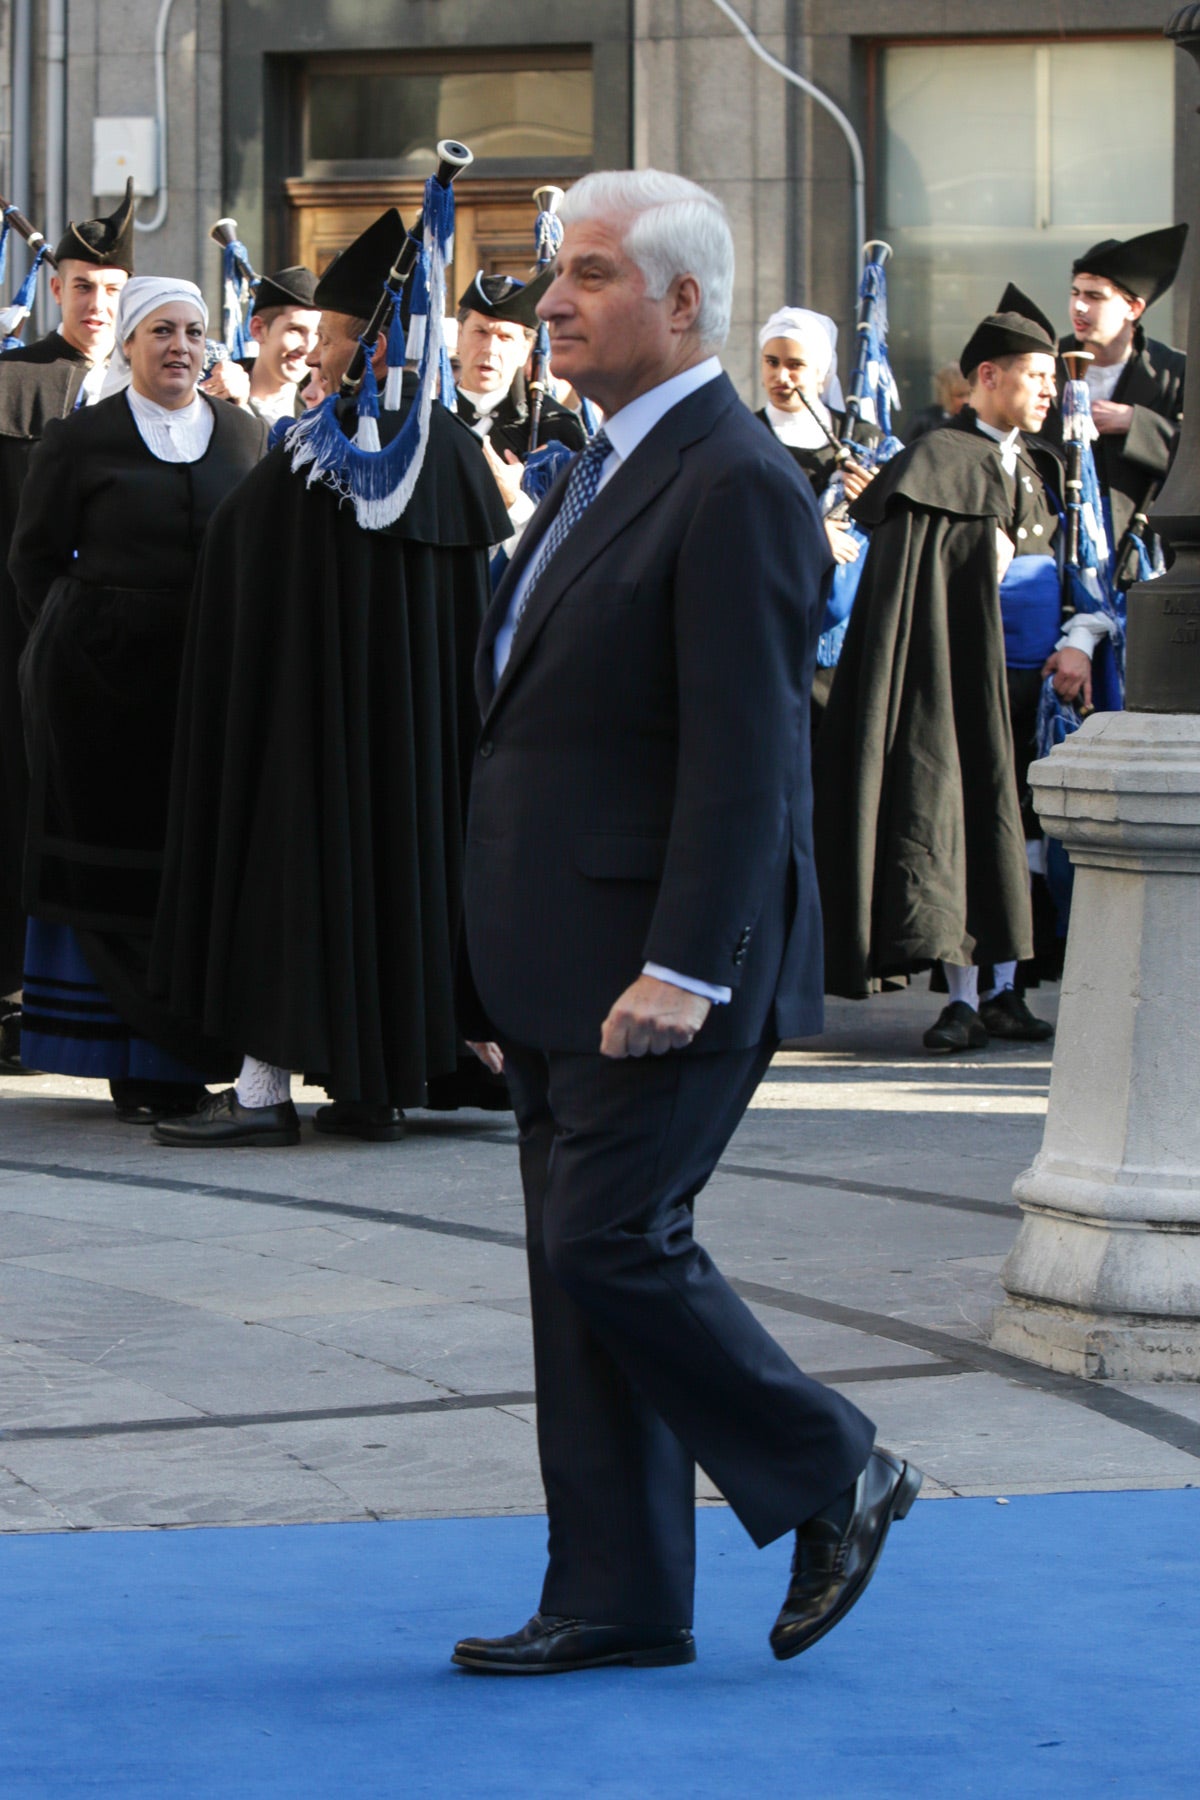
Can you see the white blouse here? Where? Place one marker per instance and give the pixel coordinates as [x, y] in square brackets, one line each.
[181, 436]
[800, 429]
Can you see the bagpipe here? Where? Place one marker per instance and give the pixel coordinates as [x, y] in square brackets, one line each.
[873, 394]
[378, 479]
[1089, 577]
[14, 315]
[238, 286]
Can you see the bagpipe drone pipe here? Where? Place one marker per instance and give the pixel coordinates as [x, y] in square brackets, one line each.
[14, 315]
[238, 285]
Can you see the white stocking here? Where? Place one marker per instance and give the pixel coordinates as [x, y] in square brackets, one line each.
[1004, 976]
[963, 984]
[262, 1084]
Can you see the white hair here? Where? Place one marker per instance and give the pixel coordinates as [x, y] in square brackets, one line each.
[674, 228]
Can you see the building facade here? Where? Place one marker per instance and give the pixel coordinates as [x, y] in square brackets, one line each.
[996, 141]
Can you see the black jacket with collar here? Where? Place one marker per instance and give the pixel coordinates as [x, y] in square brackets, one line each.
[641, 791]
[1132, 466]
[510, 422]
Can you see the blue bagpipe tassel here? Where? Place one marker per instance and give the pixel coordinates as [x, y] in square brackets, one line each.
[379, 482]
[542, 468]
[237, 299]
[393, 390]
[21, 304]
[367, 435]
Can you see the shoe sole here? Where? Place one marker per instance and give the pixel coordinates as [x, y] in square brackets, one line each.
[669, 1657]
[383, 1134]
[954, 1049]
[906, 1491]
[263, 1140]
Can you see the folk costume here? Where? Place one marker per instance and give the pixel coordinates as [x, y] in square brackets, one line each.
[1132, 466]
[112, 516]
[313, 878]
[294, 286]
[39, 382]
[504, 419]
[920, 844]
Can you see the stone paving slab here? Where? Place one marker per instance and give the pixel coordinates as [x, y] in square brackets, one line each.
[340, 1330]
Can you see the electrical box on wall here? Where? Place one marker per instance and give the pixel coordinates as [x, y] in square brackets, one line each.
[121, 148]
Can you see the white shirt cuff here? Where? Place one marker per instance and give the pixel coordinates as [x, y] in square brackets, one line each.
[1085, 632]
[720, 996]
[521, 510]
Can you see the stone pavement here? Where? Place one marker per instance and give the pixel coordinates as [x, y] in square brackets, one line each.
[340, 1331]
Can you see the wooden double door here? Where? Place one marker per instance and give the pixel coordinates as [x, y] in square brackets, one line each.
[493, 222]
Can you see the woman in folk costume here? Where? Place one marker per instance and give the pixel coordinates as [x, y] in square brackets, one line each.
[805, 410]
[112, 517]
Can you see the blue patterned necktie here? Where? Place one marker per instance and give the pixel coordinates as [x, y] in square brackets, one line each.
[582, 484]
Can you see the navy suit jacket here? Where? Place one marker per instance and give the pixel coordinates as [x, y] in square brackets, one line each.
[641, 790]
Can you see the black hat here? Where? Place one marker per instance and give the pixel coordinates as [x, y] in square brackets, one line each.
[1017, 328]
[107, 243]
[355, 278]
[503, 297]
[1143, 266]
[287, 287]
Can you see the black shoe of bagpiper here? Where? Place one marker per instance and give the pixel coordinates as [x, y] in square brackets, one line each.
[1007, 1016]
[957, 1027]
[222, 1122]
[358, 1119]
[10, 1040]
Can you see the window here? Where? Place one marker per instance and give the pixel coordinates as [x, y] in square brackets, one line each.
[385, 116]
[1001, 162]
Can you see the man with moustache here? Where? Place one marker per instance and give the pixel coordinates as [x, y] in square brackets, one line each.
[921, 757]
[39, 382]
[641, 931]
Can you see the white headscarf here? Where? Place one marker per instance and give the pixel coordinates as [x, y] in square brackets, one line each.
[818, 334]
[142, 295]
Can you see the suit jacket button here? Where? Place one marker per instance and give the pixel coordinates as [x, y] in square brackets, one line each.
[486, 747]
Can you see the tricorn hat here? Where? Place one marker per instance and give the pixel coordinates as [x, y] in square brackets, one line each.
[1018, 327]
[355, 278]
[106, 243]
[287, 287]
[1143, 266]
[505, 298]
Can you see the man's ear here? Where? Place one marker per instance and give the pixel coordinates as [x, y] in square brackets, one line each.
[257, 328]
[685, 302]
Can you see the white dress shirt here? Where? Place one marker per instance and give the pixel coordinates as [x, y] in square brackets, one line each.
[181, 436]
[625, 431]
[93, 381]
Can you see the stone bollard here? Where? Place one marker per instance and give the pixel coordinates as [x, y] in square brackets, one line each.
[1104, 1278]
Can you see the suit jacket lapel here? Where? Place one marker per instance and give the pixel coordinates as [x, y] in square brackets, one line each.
[635, 486]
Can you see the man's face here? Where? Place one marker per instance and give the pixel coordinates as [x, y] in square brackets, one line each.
[608, 338]
[286, 342]
[88, 297]
[1100, 312]
[1017, 393]
[333, 349]
[788, 372]
[490, 351]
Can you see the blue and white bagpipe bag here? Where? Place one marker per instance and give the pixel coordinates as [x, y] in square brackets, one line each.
[379, 481]
[873, 395]
[14, 315]
[1092, 587]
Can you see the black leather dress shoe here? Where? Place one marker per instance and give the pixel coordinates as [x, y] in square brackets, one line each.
[354, 1118]
[222, 1122]
[551, 1646]
[1007, 1016]
[10, 1040]
[957, 1027]
[833, 1564]
[146, 1102]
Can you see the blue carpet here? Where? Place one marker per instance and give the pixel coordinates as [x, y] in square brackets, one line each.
[1048, 1647]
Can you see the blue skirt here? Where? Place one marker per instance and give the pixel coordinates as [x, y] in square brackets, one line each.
[69, 1025]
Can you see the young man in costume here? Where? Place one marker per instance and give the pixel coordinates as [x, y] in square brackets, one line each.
[920, 842]
[284, 326]
[38, 382]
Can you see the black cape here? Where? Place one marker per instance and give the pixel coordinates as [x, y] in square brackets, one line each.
[919, 842]
[312, 890]
[38, 382]
[1132, 467]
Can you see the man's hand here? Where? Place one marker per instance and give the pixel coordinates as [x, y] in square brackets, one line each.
[1111, 416]
[1072, 672]
[490, 1055]
[842, 541]
[228, 382]
[855, 478]
[652, 1017]
[507, 473]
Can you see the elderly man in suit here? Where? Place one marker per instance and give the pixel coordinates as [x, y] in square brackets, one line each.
[642, 927]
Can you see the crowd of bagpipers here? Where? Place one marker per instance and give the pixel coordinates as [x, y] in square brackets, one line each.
[237, 723]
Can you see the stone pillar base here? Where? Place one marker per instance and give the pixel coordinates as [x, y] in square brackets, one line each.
[1102, 1346]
